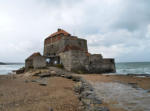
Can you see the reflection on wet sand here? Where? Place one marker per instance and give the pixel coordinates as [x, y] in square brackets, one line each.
[123, 96]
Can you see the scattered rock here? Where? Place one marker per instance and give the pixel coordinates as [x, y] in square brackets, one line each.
[26, 81]
[87, 86]
[41, 81]
[99, 108]
[37, 73]
[51, 109]
[68, 76]
[76, 78]
[78, 87]
[96, 101]
[53, 72]
[146, 75]
[45, 74]
[63, 75]
[20, 71]
[86, 102]
[134, 85]
[148, 90]
[35, 80]
[87, 95]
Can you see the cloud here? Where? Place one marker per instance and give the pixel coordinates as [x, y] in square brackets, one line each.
[116, 28]
[134, 16]
[122, 44]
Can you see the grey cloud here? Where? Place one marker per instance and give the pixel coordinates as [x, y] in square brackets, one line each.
[134, 16]
[114, 28]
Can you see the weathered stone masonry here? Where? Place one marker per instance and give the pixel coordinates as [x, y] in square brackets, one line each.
[35, 61]
[72, 52]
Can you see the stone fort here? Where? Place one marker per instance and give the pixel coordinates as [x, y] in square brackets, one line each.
[72, 53]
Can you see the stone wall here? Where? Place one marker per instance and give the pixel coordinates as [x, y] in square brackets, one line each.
[35, 62]
[109, 65]
[79, 60]
[74, 60]
[65, 59]
[28, 64]
[54, 48]
[74, 41]
[102, 66]
[95, 58]
[39, 62]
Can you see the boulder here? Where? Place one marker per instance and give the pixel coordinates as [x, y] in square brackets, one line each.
[51, 109]
[68, 76]
[76, 78]
[41, 81]
[134, 85]
[45, 74]
[78, 87]
[37, 73]
[53, 72]
[20, 71]
[99, 108]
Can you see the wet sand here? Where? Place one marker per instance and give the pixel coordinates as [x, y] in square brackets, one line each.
[18, 95]
[122, 93]
[142, 82]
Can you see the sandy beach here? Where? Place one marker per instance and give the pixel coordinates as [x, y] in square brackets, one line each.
[18, 95]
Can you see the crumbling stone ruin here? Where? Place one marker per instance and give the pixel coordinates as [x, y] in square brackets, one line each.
[72, 53]
[35, 61]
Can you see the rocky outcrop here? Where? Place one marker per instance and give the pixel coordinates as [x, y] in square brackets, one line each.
[20, 71]
[88, 96]
[143, 75]
[83, 88]
[86, 93]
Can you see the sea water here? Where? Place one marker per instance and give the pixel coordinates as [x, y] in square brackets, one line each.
[6, 69]
[133, 68]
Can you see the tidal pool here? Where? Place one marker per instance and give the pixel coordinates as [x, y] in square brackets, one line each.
[123, 96]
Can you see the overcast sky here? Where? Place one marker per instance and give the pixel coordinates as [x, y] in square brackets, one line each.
[117, 29]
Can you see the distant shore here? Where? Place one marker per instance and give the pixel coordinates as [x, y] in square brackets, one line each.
[2, 63]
